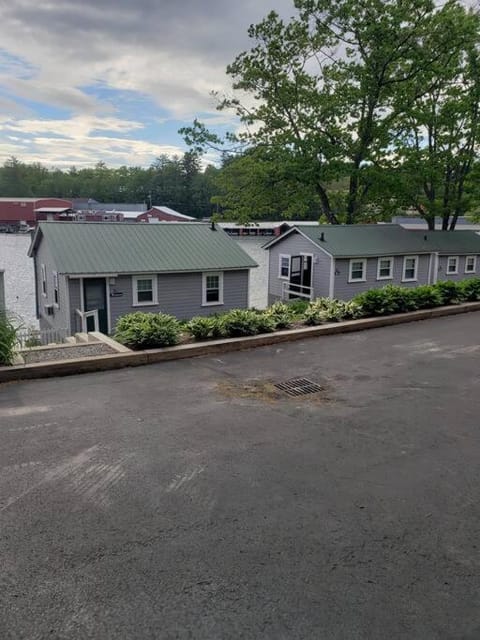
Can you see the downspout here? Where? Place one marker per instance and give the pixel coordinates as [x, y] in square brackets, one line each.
[331, 287]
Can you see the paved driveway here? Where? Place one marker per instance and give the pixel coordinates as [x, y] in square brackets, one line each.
[191, 500]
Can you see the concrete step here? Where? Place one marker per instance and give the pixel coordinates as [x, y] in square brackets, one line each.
[70, 340]
[81, 337]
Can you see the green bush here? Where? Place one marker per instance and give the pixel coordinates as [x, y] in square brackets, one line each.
[449, 292]
[470, 289]
[265, 322]
[281, 314]
[426, 297]
[298, 307]
[147, 330]
[8, 339]
[386, 300]
[240, 322]
[328, 310]
[206, 328]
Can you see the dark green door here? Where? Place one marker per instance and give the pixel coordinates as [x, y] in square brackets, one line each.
[95, 297]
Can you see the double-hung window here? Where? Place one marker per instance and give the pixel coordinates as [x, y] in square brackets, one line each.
[55, 288]
[145, 291]
[452, 264]
[385, 269]
[43, 271]
[358, 270]
[410, 268]
[284, 266]
[212, 289]
[471, 264]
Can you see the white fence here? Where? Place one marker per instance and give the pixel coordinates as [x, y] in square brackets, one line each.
[39, 337]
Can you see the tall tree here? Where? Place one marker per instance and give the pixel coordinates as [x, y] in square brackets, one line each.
[330, 85]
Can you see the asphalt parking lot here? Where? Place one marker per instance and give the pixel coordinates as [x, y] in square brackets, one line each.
[194, 500]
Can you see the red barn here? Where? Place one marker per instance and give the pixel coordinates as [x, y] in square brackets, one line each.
[163, 214]
[16, 210]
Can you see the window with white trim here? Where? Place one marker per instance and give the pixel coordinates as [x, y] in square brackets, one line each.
[145, 291]
[470, 264]
[452, 264]
[385, 269]
[410, 268]
[55, 288]
[43, 271]
[284, 266]
[212, 289]
[357, 271]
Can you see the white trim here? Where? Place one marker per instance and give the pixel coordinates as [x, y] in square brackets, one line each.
[391, 261]
[331, 284]
[150, 303]
[364, 270]
[74, 276]
[280, 256]
[474, 264]
[204, 289]
[296, 230]
[107, 295]
[457, 260]
[405, 258]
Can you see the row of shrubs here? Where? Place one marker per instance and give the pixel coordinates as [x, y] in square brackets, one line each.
[149, 330]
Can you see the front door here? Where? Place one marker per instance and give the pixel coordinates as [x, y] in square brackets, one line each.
[95, 298]
[300, 276]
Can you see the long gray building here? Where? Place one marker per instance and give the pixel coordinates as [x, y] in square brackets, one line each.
[340, 261]
[88, 275]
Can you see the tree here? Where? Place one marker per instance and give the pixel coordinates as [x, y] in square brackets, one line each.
[329, 87]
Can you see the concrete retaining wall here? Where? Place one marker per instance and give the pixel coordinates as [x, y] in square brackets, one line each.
[214, 347]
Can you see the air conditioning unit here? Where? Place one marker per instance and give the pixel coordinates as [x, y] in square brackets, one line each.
[49, 309]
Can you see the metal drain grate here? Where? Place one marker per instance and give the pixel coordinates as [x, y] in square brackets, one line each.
[298, 387]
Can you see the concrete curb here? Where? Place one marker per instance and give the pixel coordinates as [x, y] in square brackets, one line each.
[213, 347]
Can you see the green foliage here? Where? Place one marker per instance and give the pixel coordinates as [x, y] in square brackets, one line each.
[426, 297]
[241, 322]
[297, 307]
[449, 292]
[147, 330]
[470, 289]
[386, 300]
[206, 328]
[281, 314]
[8, 339]
[33, 339]
[328, 310]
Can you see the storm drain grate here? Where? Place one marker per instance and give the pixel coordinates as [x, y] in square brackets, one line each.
[299, 387]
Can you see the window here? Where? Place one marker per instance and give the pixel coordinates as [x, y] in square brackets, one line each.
[284, 266]
[358, 271]
[55, 287]
[212, 292]
[452, 264]
[471, 264]
[410, 266]
[145, 291]
[385, 269]
[44, 280]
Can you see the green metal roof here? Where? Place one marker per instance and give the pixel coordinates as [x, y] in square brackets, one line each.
[345, 241]
[98, 247]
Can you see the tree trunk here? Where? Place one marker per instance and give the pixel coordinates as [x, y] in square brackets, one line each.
[325, 205]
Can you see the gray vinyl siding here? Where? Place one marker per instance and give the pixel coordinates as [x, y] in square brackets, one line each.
[75, 303]
[293, 245]
[59, 319]
[344, 290]
[2, 291]
[461, 275]
[180, 294]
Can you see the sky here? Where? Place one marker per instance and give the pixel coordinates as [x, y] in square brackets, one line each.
[113, 80]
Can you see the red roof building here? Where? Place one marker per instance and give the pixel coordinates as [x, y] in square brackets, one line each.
[17, 210]
[163, 214]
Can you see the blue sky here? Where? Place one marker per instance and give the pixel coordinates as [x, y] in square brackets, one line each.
[114, 80]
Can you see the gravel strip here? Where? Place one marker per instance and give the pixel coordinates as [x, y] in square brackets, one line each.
[67, 353]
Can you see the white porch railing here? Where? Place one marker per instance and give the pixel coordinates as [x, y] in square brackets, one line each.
[88, 314]
[40, 337]
[297, 290]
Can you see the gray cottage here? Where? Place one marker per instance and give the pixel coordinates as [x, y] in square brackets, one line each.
[89, 274]
[341, 261]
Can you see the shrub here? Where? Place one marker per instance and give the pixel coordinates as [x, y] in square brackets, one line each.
[426, 297]
[470, 289]
[298, 307]
[449, 292]
[240, 322]
[147, 330]
[386, 300]
[8, 339]
[328, 310]
[265, 322]
[281, 314]
[205, 328]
